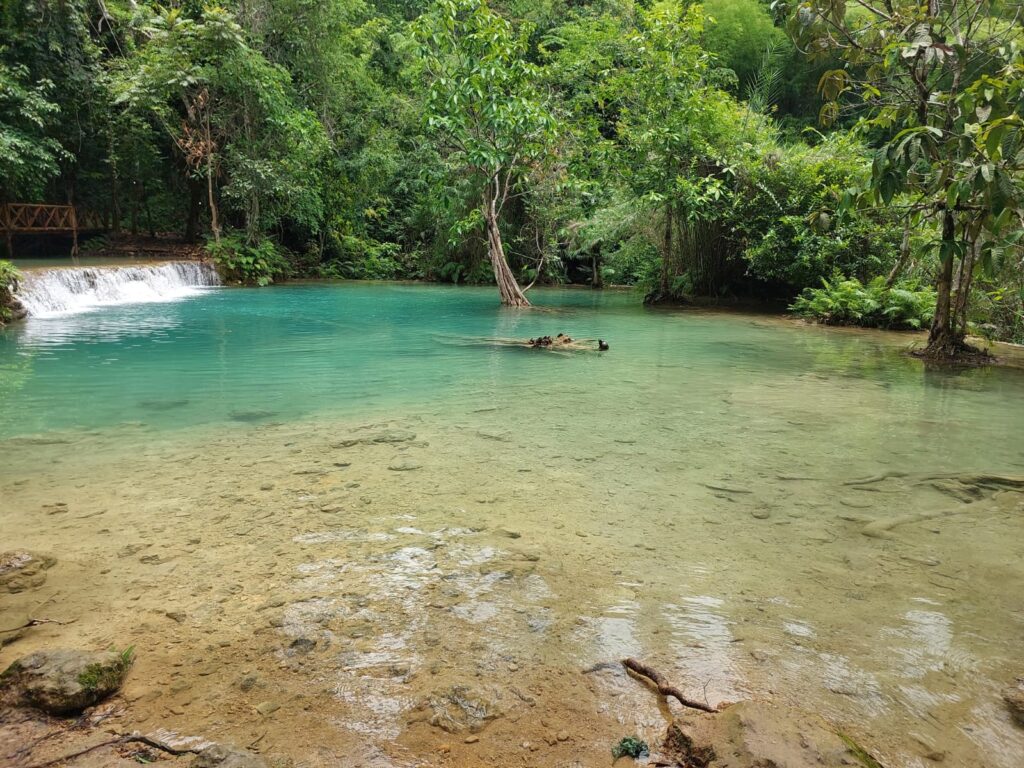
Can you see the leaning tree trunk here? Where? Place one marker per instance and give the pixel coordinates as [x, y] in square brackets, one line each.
[944, 339]
[509, 290]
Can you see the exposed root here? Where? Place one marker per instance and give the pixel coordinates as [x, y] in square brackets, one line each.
[663, 686]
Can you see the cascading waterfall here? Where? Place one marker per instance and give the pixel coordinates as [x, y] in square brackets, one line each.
[63, 291]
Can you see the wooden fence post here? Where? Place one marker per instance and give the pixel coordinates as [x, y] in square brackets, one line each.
[74, 233]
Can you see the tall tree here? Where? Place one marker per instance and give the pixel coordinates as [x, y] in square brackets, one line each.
[939, 84]
[486, 114]
[231, 116]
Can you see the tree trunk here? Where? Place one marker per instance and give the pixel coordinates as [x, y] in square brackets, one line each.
[596, 281]
[963, 291]
[901, 260]
[195, 201]
[944, 341]
[511, 294]
[115, 199]
[214, 221]
[668, 251]
[145, 207]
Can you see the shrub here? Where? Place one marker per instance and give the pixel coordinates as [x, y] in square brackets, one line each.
[361, 258]
[841, 301]
[9, 277]
[776, 201]
[239, 262]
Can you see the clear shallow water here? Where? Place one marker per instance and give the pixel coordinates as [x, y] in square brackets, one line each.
[300, 350]
[683, 497]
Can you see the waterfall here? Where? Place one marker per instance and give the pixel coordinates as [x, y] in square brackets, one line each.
[63, 291]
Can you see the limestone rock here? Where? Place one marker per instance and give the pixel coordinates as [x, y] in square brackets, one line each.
[403, 464]
[384, 436]
[460, 708]
[1014, 698]
[754, 734]
[21, 570]
[222, 756]
[66, 681]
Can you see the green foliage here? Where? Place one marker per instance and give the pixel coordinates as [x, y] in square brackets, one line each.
[656, 144]
[631, 746]
[841, 301]
[28, 156]
[938, 87]
[9, 277]
[738, 32]
[362, 259]
[242, 263]
[484, 113]
[789, 240]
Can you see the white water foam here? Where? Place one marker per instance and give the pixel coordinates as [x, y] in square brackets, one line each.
[66, 291]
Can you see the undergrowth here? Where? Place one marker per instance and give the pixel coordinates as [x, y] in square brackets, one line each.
[848, 301]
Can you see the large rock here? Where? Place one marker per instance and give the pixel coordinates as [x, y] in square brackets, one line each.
[21, 570]
[63, 681]
[755, 735]
[1014, 698]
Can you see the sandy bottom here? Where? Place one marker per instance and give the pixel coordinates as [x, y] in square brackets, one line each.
[443, 589]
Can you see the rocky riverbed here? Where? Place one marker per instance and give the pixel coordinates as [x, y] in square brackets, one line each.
[430, 591]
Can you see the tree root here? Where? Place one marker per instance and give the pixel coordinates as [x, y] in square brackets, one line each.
[664, 687]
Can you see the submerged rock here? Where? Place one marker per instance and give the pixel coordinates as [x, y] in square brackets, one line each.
[21, 570]
[754, 734]
[222, 756]
[384, 436]
[256, 414]
[460, 708]
[404, 464]
[1014, 698]
[66, 681]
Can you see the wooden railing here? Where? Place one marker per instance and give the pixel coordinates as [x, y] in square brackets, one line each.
[32, 218]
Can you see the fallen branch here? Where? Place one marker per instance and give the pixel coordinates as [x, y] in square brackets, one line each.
[882, 529]
[35, 623]
[875, 478]
[663, 686]
[132, 738]
[982, 479]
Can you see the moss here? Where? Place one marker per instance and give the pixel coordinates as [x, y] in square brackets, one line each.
[107, 677]
[860, 754]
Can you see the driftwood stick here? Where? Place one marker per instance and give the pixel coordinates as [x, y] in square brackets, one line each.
[35, 623]
[664, 687]
[79, 753]
[136, 738]
[985, 479]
